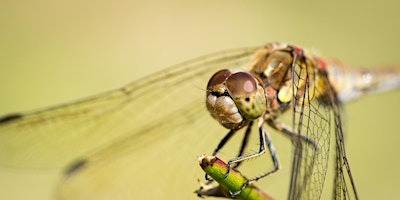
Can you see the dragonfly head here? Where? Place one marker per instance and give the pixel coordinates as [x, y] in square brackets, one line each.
[234, 99]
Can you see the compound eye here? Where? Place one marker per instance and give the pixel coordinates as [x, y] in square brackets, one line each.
[241, 84]
[218, 78]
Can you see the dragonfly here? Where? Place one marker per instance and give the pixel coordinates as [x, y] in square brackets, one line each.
[141, 140]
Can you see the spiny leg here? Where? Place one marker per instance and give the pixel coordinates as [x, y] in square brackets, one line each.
[264, 141]
[229, 136]
[225, 140]
[245, 141]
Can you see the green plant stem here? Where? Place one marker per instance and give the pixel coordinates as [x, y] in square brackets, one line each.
[216, 169]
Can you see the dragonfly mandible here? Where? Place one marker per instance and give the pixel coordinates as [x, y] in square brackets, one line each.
[139, 140]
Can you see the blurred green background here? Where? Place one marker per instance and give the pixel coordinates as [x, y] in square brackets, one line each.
[56, 51]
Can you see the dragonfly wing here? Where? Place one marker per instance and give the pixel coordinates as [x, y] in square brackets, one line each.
[158, 161]
[160, 166]
[316, 115]
[56, 136]
[344, 187]
[312, 113]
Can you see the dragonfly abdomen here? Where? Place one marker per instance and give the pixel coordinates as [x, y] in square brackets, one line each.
[352, 83]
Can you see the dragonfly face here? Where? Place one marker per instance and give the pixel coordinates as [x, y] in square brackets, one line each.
[235, 99]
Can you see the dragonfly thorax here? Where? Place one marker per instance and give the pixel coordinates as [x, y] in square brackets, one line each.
[235, 99]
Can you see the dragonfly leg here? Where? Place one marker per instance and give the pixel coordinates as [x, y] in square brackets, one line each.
[225, 140]
[264, 142]
[245, 141]
[282, 128]
[219, 147]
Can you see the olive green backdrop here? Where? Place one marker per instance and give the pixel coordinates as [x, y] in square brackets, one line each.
[52, 52]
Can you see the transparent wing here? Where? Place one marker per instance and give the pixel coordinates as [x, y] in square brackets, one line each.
[316, 115]
[126, 142]
[312, 115]
[344, 186]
